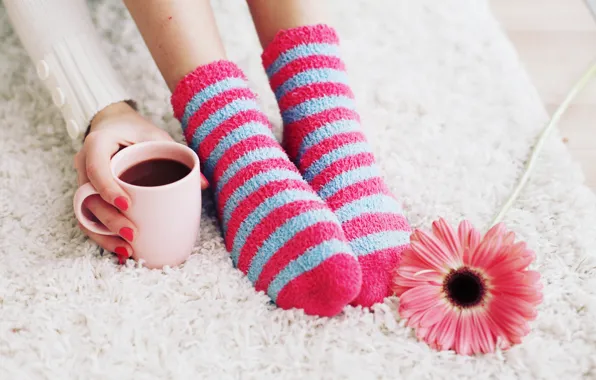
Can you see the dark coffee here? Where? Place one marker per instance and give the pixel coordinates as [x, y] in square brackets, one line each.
[157, 172]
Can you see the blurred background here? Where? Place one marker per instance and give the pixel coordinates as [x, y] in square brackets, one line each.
[556, 41]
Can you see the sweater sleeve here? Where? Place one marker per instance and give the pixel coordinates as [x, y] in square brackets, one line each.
[60, 38]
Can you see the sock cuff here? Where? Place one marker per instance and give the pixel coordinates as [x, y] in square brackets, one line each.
[302, 35]
[199, 79]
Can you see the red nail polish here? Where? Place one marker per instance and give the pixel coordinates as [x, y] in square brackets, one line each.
[122, 254]
[121, 203]
[127, 233]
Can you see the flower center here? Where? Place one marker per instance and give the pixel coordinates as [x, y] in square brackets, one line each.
[464, 288]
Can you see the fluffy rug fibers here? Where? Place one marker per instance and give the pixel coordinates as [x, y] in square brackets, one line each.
[451, 116]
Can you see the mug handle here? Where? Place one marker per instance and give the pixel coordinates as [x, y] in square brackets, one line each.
[83, 214]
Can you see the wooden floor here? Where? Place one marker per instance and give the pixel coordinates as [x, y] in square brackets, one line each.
[556, 41]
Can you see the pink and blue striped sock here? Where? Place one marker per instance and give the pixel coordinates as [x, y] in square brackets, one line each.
[322, 135]
[278, 231]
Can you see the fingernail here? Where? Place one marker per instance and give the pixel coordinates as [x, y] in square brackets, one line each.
[122, 254]
[121, 203]
[127, 233]
[204, 182]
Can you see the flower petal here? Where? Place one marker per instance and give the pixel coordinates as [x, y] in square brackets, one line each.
[498, 254]
[510, 264]
[432, 337]
[421, 275]
[529, 294]
[399, 290]
[474, 334]
[469, 237]
[463, 340]
[498, 230]
[434, 250]
[413, 260]
[406, 283]
[443, 231]
[509, 238]
[510, 323]
[531, 276]
[422, 333]
[486, 339]
[414, 318]
[432, 260]
[520, 306]
[467, 256]
[523, 278]
[448, 329]
[433, 316]
[420, 298]
[485, 252]
[494, 327]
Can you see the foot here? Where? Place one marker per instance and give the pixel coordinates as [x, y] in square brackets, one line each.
[322, 135]
[278, 231]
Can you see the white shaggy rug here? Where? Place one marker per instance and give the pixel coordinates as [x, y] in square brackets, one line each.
[451, 116]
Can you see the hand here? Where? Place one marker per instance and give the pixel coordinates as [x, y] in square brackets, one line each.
[113, 128]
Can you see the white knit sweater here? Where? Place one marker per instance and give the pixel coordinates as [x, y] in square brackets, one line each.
[62, 43]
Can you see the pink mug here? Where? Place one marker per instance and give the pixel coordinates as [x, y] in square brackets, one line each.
[167, 217]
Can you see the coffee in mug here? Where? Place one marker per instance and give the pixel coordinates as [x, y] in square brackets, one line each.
[157, 172]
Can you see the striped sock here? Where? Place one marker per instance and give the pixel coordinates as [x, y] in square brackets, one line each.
[279, 232]
[322, 135]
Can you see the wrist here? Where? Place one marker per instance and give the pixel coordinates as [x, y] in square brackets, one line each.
[114, 110]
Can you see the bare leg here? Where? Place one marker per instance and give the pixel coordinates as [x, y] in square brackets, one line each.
[181, 35]
[271, 16]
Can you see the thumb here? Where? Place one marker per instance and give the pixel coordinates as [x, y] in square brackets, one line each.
[100, 149]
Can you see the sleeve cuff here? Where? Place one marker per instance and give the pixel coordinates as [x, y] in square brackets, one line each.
[81, 81]
[65, 48]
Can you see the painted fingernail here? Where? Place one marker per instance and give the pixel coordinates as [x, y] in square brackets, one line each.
[121, 203]
[127, 233]
[122, 254]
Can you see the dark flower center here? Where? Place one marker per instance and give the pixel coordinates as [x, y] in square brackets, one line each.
[464, 287]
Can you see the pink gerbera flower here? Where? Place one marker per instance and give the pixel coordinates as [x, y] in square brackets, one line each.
[467, 293]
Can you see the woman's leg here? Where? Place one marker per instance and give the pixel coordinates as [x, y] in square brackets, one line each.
[278, 231]
[270, 17]
[181, 35]
[322, 135]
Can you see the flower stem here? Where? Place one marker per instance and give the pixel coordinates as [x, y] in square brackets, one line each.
[575, 90]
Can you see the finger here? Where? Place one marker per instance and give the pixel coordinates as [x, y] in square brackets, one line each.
[204, 182]
[110, 217]
[160, 135]
[101, 148]
[113, 244]
[79, 164]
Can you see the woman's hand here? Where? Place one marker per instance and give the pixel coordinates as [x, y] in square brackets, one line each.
[113, 128]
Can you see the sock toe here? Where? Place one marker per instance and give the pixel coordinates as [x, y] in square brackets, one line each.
[326, 289]
[377, 276]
